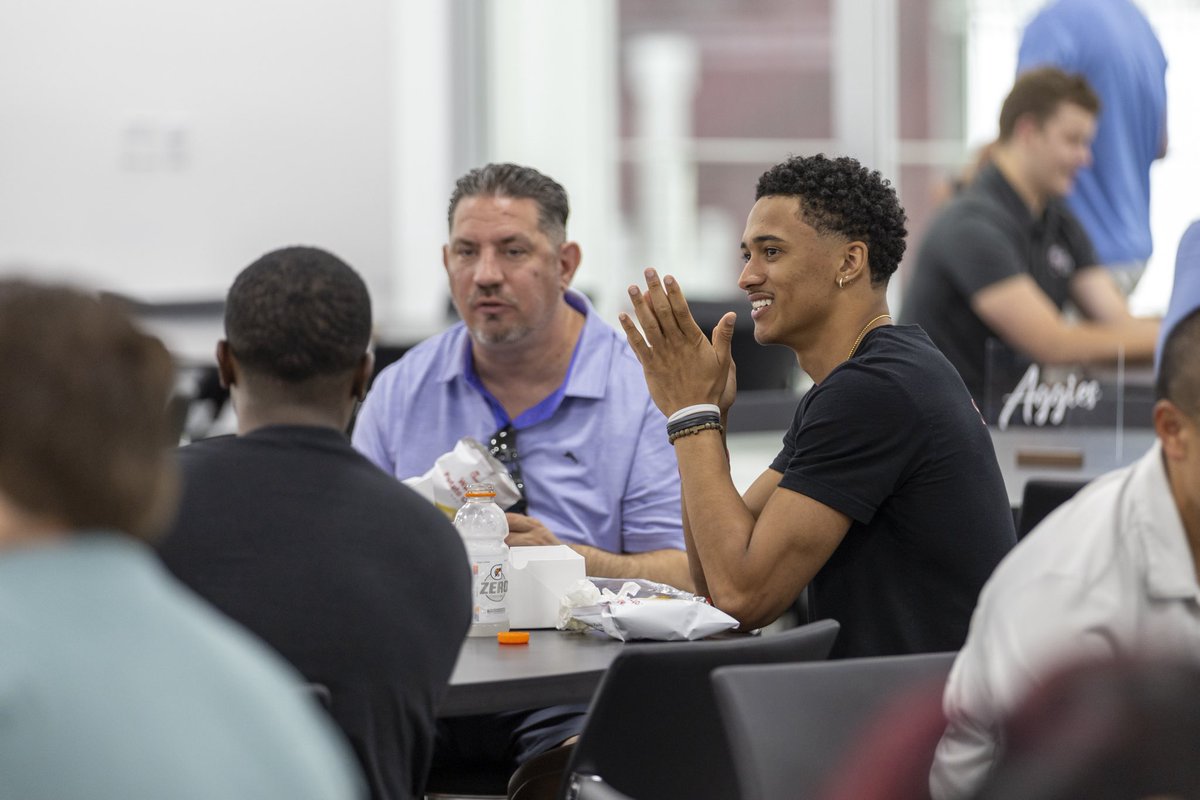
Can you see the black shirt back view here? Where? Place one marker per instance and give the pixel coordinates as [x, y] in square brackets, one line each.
[356, 580]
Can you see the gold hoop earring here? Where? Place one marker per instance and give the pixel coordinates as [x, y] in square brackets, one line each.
[841, 280]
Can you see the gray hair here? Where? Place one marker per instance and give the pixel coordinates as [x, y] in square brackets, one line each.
[513, 180]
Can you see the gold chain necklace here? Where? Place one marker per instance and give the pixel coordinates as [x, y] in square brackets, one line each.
[863, 333]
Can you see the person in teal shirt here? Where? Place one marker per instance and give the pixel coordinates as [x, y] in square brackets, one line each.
[116, 683]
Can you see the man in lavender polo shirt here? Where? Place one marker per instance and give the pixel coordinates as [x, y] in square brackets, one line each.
[533, 359]
[533, 366]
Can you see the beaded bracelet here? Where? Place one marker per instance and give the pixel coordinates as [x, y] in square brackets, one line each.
[706, 426]
[692, 420]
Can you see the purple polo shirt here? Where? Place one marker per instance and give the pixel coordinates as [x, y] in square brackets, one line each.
[598, 468]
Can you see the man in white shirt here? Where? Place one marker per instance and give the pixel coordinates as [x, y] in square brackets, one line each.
[1111, 573]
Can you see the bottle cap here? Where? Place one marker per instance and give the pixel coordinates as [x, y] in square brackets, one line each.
[513, 637]
[481, 490]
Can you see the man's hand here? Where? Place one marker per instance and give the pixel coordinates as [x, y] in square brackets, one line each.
[526, 531]
[682, 366]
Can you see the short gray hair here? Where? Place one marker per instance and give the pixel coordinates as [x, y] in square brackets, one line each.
[514, 180]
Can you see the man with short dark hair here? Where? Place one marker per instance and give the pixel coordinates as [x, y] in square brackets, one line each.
[1003, 258]
[355, 579]
[115, 682]
[1111, 573]
[886, 499]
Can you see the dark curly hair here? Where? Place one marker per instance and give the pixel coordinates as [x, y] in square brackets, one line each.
[298, 313]
[840, 196]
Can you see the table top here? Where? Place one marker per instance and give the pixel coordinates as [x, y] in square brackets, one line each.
[1095, 451]
[555, 667]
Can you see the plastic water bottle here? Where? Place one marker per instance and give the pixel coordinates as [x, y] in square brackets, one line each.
[483, 528]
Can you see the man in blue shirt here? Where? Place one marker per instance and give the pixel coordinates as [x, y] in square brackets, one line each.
[1111, 44]
[532, 359]
[531, 364]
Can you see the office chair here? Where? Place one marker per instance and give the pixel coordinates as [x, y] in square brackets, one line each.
[790, 725]
[653, 729]
[1040, 497]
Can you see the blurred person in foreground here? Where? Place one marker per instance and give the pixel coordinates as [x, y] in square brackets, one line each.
[1111, 44]
[886, 499]
[1112, 572]
[115, 682]
[1001, 260]
[351, 576]
[1114, 729]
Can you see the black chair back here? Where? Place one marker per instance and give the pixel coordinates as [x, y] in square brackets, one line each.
[1040, 497]
[790, 724]
[653, 729]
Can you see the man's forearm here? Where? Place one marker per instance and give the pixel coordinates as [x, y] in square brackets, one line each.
[694, 564]
[720, 523]
[695, 568]
[661, 566]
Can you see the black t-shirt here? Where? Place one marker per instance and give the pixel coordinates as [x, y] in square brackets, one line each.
[986, 235]
[355, 579]
[892, 439]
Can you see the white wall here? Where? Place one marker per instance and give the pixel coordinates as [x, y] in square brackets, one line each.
[157, 148]
[550, 72]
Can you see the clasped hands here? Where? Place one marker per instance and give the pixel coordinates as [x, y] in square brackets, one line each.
[683, 367]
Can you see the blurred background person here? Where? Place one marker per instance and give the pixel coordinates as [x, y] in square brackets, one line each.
[116, 683]
[1115, 729]
[1111, 43]
[1002, 258]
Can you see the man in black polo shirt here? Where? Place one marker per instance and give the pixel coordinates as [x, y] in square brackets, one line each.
[886, 498]
[1002, 259]
[350, 575]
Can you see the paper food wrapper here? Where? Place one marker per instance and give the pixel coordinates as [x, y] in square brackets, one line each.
[640, 610]
[537, 578]
[445, 484]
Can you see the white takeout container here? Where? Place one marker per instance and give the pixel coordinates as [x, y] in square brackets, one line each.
[538, 578]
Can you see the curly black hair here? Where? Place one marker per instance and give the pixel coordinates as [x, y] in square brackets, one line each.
[298, 313]
[841, 196]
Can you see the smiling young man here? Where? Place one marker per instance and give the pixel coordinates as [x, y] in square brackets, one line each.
[886, 499]
[1002, 259]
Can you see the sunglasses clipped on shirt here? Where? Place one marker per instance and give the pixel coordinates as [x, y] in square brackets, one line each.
[504, 448]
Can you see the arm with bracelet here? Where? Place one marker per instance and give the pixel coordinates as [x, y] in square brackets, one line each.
[751, 554]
